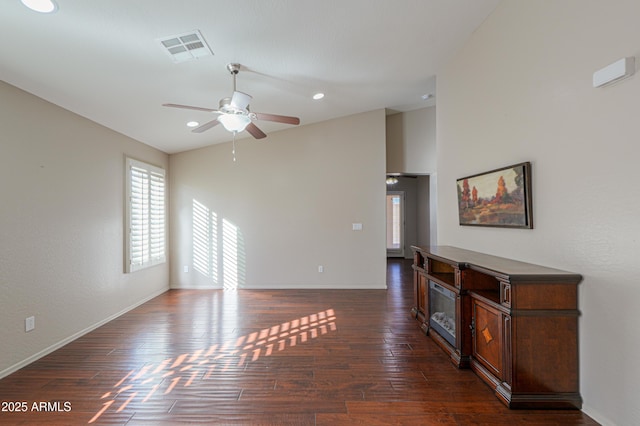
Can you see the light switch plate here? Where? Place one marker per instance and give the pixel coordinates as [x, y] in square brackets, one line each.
[29, 324]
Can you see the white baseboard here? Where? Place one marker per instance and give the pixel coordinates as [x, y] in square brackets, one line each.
[73, 337]
[291, 287]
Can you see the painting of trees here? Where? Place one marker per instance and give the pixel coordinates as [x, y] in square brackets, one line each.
[465, 193]
[501, 197]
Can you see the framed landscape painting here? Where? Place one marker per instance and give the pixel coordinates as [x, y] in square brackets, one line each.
[500, 197]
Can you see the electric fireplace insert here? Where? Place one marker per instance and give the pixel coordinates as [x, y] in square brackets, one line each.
[442, 311]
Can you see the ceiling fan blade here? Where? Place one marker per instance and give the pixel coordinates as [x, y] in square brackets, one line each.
[206, 126]
[277, 118]
[190, 107]
[255, 132]
[240, 100]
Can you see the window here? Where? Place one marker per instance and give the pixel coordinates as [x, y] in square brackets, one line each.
[145, 215]
[395, 223]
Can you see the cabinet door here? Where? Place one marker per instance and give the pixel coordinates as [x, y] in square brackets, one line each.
[487, 337]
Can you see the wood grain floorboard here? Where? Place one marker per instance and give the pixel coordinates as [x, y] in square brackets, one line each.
[262, 357]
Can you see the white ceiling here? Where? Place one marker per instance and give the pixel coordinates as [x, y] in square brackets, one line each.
[102, 60]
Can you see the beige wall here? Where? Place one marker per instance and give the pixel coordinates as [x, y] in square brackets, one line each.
[287, 205]
[521, 90]
[411, 142]
[61, 226]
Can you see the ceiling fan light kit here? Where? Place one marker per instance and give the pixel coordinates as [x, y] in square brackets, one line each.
[234, 122]
[234, 113]
[42, 6]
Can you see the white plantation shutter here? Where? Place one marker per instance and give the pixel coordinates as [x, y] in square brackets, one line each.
[145, 215]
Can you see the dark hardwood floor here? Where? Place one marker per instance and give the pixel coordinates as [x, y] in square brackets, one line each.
[271, 357]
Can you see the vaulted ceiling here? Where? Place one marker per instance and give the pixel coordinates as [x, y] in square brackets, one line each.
[104, 61]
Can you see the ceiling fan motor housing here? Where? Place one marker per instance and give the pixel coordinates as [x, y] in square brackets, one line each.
[224, 104]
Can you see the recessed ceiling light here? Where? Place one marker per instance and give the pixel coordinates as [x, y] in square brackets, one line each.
[426, 96]
[192, 124]
[43, 6]
[318, 96]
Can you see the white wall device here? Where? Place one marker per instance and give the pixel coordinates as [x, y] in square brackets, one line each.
[617, 71]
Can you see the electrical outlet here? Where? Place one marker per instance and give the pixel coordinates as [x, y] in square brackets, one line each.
[320, 268]
[29, 324]
[186, 268]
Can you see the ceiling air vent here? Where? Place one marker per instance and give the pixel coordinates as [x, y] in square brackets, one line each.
[184, 47]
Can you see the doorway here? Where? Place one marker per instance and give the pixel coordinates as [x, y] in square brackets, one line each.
[410, 214]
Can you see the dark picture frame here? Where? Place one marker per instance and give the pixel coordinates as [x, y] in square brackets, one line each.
[497, 198]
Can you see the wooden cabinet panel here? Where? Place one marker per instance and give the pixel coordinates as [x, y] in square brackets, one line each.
[423, 285]
[420, 265]
[550, 362]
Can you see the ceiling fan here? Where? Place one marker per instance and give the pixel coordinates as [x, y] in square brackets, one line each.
[234, 114]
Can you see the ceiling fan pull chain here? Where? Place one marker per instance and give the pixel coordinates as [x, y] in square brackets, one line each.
[234, 147]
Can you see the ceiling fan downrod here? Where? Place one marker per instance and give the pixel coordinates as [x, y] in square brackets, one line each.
[234, 69]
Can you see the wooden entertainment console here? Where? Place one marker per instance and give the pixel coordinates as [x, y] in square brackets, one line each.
[516, 324]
